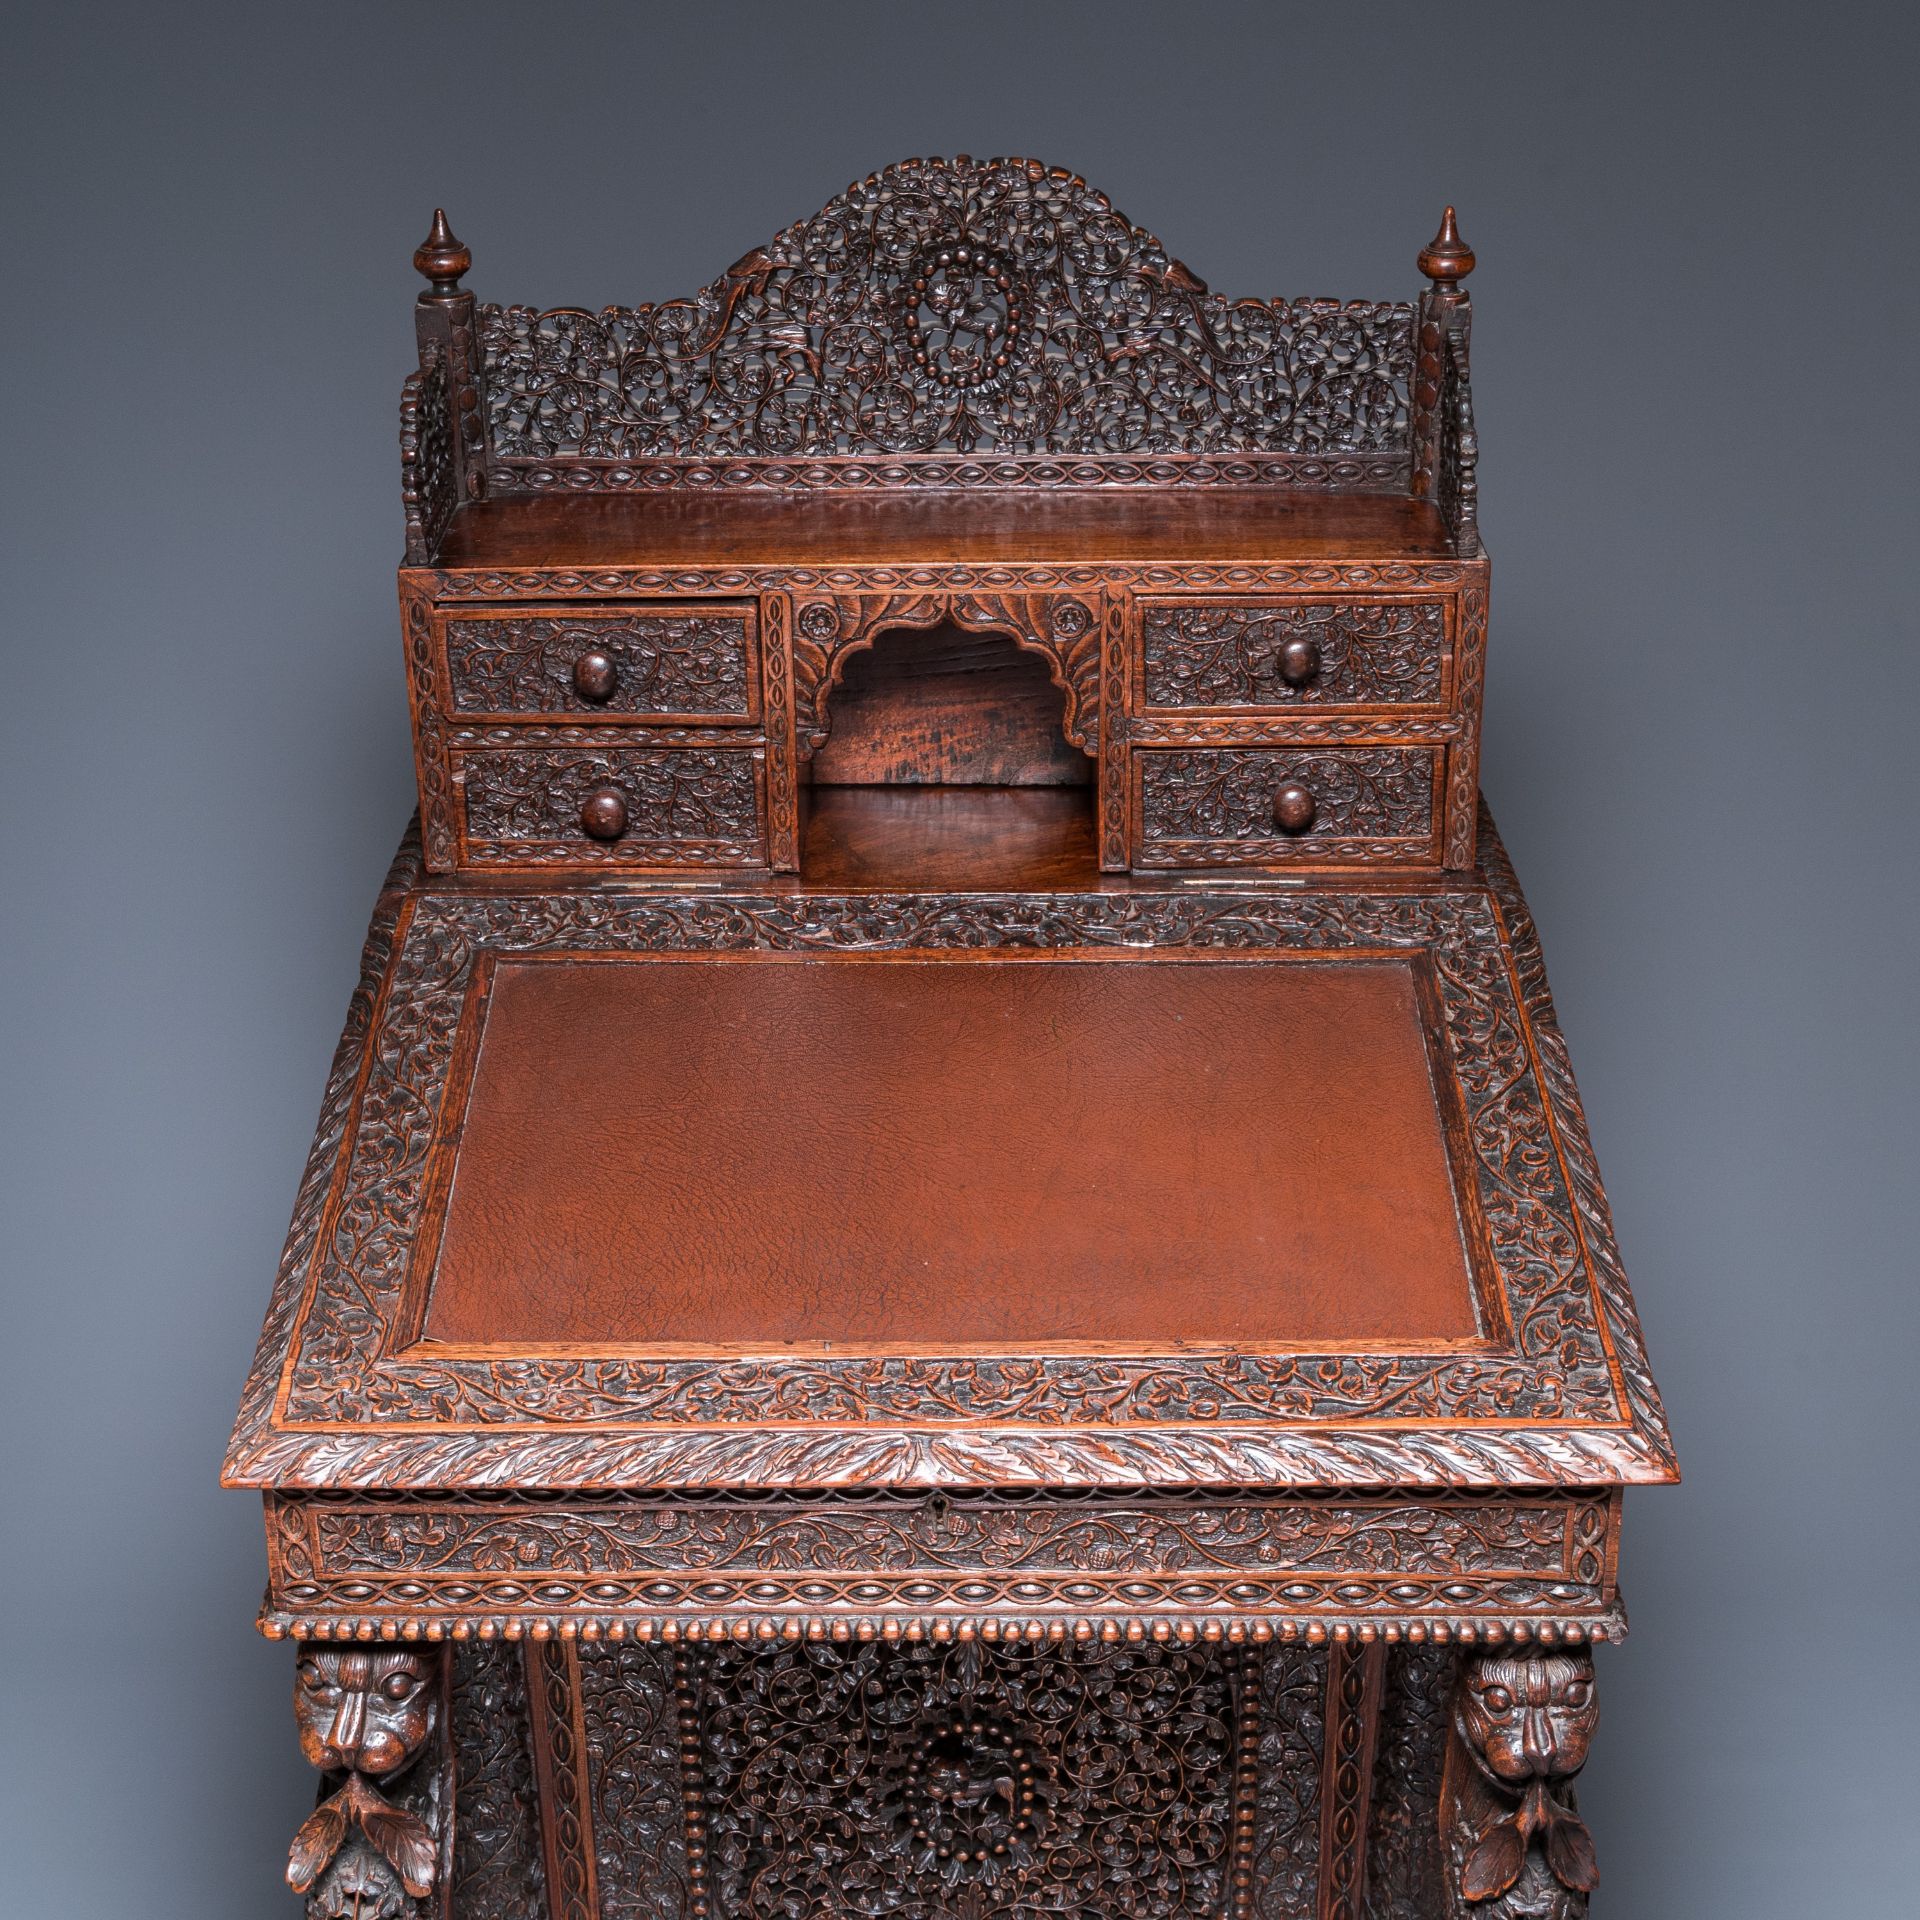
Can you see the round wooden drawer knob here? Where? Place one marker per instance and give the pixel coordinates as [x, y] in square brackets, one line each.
[1293, 808]
[1300, 662]
[603, 814]
[595, 677]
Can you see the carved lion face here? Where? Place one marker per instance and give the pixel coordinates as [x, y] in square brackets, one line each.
[1528, 1719]
[371, 1710]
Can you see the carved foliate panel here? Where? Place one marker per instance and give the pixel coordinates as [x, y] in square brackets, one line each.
[681, 804]
[1403, 1873]
[864, 1556]
[691, 663]
[1303, 653]
[497, 1870]
[638, 1796]
[1283, 1867]
[1211, 805]
[955, 308]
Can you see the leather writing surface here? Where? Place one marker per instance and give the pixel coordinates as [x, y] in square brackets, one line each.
[948, 1154]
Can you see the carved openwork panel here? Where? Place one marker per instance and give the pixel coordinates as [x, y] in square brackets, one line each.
[688, 663]
[1224, 804]
[969, 1780]
[959, 308]
[1299, 653]
[677, 805]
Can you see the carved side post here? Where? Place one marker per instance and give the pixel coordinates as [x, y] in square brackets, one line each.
[1445, 450]
[1515, 1847]
[443, 320]
[374, 1721]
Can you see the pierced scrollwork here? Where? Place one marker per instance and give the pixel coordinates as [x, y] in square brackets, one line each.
[945, 308]
[968, 1781]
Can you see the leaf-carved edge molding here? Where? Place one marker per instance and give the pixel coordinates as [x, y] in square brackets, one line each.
[1577, 1407]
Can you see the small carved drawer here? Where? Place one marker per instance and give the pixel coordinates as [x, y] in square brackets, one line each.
[639, 805]
[1268, 806]
[683, 661]
[1276, 653]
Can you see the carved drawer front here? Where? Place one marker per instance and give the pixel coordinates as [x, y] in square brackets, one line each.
[1287, 652]
[638, 805]
[681, 661]
[1230, 806]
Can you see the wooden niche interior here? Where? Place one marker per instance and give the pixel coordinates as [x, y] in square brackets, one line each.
[947, 764]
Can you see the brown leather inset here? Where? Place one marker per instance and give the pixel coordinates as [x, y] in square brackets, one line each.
[951, 1154]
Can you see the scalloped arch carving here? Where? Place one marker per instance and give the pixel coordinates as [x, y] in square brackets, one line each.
[941, 308]
[1063, 629]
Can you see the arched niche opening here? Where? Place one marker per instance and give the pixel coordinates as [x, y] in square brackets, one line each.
[946, 763]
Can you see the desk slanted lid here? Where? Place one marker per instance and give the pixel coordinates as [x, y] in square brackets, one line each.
[1414, 1283]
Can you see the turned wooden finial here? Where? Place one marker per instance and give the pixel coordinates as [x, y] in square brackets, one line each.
[442, 258]
[1446, 259]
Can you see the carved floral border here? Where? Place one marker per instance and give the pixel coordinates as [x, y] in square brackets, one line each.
[1550, 1411]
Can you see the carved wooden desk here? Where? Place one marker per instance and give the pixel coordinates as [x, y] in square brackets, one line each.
[951, 1264]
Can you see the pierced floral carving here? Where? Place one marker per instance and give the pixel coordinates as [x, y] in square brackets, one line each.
[429, 484]
[945, 308]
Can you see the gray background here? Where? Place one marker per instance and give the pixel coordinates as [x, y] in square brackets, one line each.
[1695, 371]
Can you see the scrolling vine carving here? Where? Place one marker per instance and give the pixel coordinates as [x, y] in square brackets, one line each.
[497, 1869]
[903, 1420]
[947, 307]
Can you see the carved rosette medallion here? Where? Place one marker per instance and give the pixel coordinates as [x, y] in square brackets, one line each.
[961, 315]
[970, 1787]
